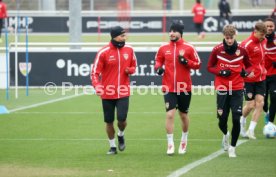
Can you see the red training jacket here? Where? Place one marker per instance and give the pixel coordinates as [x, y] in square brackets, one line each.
[199, 12]
[177, 76]
[270, 57]
[220, 60]
[256, 53]
[109, 76]
[3, 10]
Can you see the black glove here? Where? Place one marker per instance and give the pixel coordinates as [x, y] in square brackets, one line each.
[274, 64]
[182, 60]
[160, 71]
[243, 73]
[225, 73]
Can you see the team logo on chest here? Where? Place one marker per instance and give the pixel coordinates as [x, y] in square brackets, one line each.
[125, 56]
[238, 52]
[274, 42]
[181, 52]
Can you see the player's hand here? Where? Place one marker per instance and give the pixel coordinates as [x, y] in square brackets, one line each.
[99, 90]
[160, 71]
[182, 60]
[243, 73]
[274, 64]
[225, 73]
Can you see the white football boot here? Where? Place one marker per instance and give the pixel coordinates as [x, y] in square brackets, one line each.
[182, 147]
[170, 150]
[225, 142]
[250, 134]
[232, 152]
[243, 130]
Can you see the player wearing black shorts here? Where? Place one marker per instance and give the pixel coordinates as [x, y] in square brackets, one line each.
[113, 65]
[178, 57]
[270, 65]
[254, 86]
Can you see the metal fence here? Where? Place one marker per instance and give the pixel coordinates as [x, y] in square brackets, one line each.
[63, 5]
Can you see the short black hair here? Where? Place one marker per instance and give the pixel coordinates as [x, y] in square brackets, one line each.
[269, 20]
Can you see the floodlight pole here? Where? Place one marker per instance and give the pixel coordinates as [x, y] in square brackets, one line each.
[75, 22]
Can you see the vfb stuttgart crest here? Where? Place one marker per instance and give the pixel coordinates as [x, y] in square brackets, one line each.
[181, 52]
[125, 56]
[23, 68]
[238, 52]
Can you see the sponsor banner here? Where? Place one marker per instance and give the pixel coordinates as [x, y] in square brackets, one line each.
[146, 24]
[74, 67]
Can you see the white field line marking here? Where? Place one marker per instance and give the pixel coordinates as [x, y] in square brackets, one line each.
[190, 166]
[95, 139]
[43, 103]
[100, 112]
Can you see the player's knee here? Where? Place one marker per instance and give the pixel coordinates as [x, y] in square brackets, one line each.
[122, 117]
[260, 103]
[170, 114]
[250, 105]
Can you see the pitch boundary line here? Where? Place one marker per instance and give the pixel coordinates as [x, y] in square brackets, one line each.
[195, 164]
[100, 112]
[93, 139]
[43, 103]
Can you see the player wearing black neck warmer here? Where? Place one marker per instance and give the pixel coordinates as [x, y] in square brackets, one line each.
[110, 75]
[226, 62]
[270, 65]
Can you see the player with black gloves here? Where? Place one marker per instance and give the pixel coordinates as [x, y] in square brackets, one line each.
[227, 61]
[182, 60]
[160, 71]
[270, 65]
[254, 87]
[176, 81]
[225, 73]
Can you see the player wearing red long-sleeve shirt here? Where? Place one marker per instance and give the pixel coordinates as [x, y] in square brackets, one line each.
[270, 65]
[199, 12]
[227, 62]
[254, 86]
[3, 14]
[110, 78]
[178, 57]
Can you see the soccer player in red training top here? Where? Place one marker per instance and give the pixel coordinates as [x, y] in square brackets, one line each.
[178, 57]
[226, 62]
[3, 15]
[110, 78]
[270, 65]
[254, 86]
[199, 12]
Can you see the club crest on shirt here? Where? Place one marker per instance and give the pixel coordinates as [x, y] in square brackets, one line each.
[111, 58]
[181, 52]
[238, 52]
[274, 42]
[125, 56]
